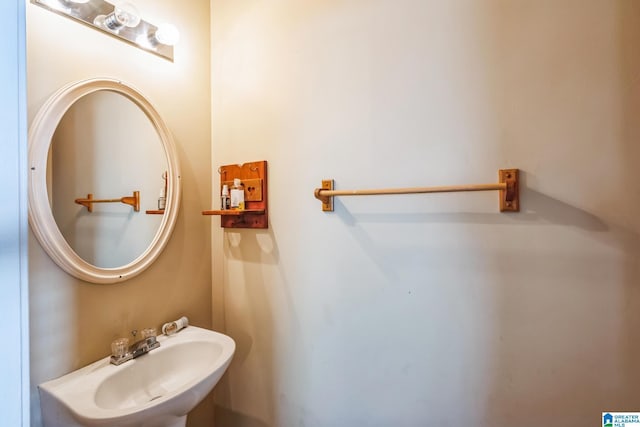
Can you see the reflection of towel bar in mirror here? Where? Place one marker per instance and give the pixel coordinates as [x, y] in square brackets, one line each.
[133, 200]
[508, 188]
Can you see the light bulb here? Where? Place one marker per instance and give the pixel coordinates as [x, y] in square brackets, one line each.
[127, 14]
[167, 34]
[123, 15]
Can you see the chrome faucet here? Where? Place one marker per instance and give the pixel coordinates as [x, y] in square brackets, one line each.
[121, 351]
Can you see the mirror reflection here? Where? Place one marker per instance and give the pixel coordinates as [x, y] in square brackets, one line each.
[105, 145]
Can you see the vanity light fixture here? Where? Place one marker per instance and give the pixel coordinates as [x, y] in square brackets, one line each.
[119, 19]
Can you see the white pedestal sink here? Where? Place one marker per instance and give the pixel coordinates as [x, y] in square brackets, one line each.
[157, 389]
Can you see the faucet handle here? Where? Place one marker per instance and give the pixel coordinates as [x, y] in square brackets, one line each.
[148, 333]
[120, 347]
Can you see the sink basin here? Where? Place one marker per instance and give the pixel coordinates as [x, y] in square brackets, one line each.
[157, 389]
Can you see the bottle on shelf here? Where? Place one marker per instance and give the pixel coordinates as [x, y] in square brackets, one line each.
[224, 198]
[237, 195]
[162, 199]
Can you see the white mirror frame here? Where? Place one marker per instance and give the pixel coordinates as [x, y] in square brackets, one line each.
[41, 217]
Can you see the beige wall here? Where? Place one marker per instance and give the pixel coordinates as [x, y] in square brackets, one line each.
[73, 322]
[430, 310]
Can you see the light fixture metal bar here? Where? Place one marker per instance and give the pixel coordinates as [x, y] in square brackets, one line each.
[140, 36]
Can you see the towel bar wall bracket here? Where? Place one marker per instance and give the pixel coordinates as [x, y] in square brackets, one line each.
[508, 188]
[510, 196]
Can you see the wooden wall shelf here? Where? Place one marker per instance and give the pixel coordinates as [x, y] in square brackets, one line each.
[254, 178]
[155, 212]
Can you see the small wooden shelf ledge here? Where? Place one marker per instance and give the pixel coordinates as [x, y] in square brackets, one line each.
[155, 212]
[234, 212]
[508, 188]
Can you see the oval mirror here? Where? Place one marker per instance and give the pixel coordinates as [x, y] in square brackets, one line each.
[100, 156]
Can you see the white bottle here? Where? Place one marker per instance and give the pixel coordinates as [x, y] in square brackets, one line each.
[162, 200]
[171, 328]
[237, 195]
[224, 198]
